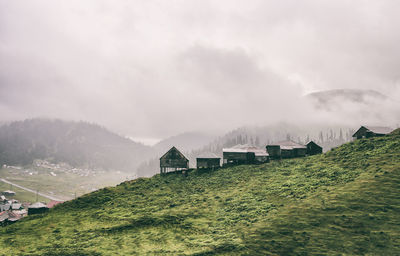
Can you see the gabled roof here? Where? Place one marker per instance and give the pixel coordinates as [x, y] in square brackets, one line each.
[3, 216]
[288, 144]
[16, 206]
[38, 205]
[375, 129]
[208, 155]
[179, 152]
[379, 129]
[312, 142]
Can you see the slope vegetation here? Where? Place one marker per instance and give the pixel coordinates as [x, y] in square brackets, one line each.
[343, 202]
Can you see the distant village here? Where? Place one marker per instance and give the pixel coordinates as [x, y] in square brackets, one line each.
[174, 160]
[11, 210]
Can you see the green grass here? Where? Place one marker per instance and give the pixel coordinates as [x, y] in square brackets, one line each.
[344, 202]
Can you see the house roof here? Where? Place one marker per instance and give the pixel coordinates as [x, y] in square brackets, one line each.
[288, 144]
[3, 216]
[9, 192]
[13, 216]
[379, 129]
[16, 206]
[246, 148]
[375, 129]
[37, 205]
[208, 155]
[174, 148]
[312, 142]
[5, 207]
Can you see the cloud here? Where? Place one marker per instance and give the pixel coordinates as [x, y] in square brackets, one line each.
[157, 68]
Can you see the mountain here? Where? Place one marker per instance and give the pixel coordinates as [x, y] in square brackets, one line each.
[344, 202]
[331, 99]
[76, 143]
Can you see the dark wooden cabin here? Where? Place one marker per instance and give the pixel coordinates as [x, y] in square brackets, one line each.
[287, 149]
[244, 154]
[274, 151]
[371, 131]
[208, 161]
[37, 208]
[313, 148]
[173, 160]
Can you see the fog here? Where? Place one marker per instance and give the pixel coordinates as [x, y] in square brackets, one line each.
[152, 69]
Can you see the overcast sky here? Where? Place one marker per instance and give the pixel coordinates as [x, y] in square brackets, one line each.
[158, 68]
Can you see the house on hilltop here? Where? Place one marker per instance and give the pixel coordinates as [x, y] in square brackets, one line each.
[313, 148]
[371, 131]
[244, 154]
[286, 149]
[37, 208]
[173, 160]
[208, 160]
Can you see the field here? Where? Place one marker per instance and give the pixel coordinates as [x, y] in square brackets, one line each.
[61, 184]
[346, 201]
[22, 195]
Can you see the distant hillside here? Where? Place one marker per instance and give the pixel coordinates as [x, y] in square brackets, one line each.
[330, 99]
[345, 202]
[75, 143]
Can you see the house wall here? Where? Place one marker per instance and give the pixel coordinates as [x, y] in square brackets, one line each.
[274, 151]
[299, 152]
[313, 149]
[238, 157]
[287, 153]
[208, 162]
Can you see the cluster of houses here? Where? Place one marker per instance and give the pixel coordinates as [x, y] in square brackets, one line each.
[12, 210]
[174, 160]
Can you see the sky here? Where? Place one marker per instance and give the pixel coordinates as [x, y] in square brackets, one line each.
[155, 68]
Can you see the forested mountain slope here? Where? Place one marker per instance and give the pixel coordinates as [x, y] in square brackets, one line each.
[76, 143]
[343, 202]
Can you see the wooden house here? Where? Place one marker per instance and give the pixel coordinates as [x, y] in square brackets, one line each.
[244, 154]
[313, 148]
[371, 131]
[173, 160]
[8, 193]
[37, 208]
[274, 151]
[208, 161]
[288, 149]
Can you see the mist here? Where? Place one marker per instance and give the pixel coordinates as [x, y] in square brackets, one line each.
[154, 69]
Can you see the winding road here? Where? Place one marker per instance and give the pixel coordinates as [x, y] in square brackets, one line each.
[31, 190]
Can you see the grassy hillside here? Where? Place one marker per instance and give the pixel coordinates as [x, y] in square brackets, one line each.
[344, 202]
